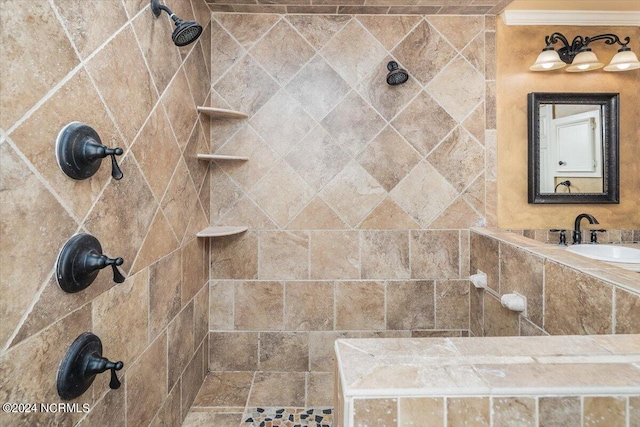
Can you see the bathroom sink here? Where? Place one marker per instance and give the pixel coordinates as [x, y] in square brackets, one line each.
[619, 255]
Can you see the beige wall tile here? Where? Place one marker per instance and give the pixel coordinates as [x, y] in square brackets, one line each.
[194, 269]
[246, 29]
[452, 304]
[233, 351]
[385, 254]
[565, 411]
[308, 306]
[468, 411]
[164, 292]
[389, 30]
[360, 305]
[522, 272]
[321, 352]
[418, 411]
[192, 379]
[627, 312]
[224, 52]
[318, 29]
[604, 411]
[234, 257]
[221, 303]
[225, 389]
[458, 158]
[180, 345]
[278, 389]
[499, 321]
[334, 254]
[435, 254]
[369, 412]
[284, 351]
[459, 30]
[258, 306]
[485, 257]
[315, 216]
[388, 215]
[284, 255]
[634, 410]
[510, 411]
[410, 305]
[108, 412]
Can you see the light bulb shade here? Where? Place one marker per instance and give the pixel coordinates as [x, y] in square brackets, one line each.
[547, 60]
[585, 61]
[624, 60]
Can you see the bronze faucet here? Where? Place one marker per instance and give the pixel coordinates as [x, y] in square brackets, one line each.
[577, 234]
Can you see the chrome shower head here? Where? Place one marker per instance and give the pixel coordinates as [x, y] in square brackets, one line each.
[396, 76]
[185, 32]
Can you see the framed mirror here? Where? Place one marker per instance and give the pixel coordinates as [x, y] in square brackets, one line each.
[573, 147]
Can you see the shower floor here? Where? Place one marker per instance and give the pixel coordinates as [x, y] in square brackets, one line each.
[263, 399]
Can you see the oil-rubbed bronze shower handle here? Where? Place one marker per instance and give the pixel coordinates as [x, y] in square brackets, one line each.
[96, 261]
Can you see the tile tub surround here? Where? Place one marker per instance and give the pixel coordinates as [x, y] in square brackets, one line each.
[358, 208]
[567, 294]
[126, 79]
[488, 381]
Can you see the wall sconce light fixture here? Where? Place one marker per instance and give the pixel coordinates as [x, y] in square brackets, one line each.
[579, 56]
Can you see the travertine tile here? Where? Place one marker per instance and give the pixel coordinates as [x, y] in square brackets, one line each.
[317, 158]
[278, 389]
[388, 215]
[281, 193]
[246, 213]
[282, 52]
[424, 52]
[459, 158]
[634, 410]
[197, 144]
[435, 254]
[249, 89]
[146, 385]
[491, 58]
[485, 257]
[259, 306]
[225, 389]
[416, 411]
[445, 90]
[165, 277]
[282, 122]
[317, 215]
[353, 193]
[353, 52]
[528, 329]
[321, 352]
[106, 69]
[388, 158]
[604, 411]
[200, 316]
[510, 411]
[424, 135]
[459, 30]
[170, 412]
[194, 270]
[317, 87]
[180, 344]
[234, 257]
[476, 311]
[389, 30]
[385, 254]
[353, 123]
[246, 28]
[221, 305]
[107, 412]
[410, 305]
[319, 389]
[452, 302]
[41, 55]
[192, 379]
[309, 306]
[498, 321]
[627, 312]
[424, 193]
[369, 412]
[522, 272]
[318, 29]
[203, 419]
[174, 99]
[233, 351]
[284, 351]
[458, 214]
[284, 255]
[334, 254]
[554, 411]
[475, 53]
[224, 52]
[564, 285]
[468, 411]
[180, 197]
[360, 305]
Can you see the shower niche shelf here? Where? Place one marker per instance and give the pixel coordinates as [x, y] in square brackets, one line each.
[221, 113]
[210, 157]
[221, 231]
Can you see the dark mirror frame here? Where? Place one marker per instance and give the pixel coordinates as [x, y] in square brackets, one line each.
[609, 107]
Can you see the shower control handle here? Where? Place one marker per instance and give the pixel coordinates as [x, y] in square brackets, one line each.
[94, 150]
[98, 365]
[97, 261]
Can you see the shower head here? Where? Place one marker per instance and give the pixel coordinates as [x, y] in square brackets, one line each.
[186, 32]
[396, 76]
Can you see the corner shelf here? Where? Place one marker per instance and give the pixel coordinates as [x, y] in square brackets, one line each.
[221, 113]
[221, 231]
[210, 157]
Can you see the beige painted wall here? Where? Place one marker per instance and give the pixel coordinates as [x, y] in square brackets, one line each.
[517, 49]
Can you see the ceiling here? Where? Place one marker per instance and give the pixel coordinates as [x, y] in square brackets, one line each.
[384, 7]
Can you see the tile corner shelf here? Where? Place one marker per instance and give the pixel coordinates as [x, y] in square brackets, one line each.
[221, 113]
[220, 157]
[221, 231]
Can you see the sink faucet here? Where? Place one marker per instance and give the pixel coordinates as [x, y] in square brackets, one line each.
[577, 234]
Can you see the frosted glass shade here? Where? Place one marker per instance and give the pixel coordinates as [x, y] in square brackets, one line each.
[585, 61]
[624, 60]
[547, 60]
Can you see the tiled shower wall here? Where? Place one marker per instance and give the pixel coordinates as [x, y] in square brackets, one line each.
[113, 66]
[358, 195]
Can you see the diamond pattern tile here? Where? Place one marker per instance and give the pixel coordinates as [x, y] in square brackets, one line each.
[424, 52]
[353, 123]
[424, 123]
[318, 29]
[389, 30]
[282, 52]
[459, 158]
[247, 29]
[459, 88]
[458, 30]
[353, 52]
[282, 122]
[424, 193]
[388, 158]
[353, 193]
[317, 158]
[317, 87]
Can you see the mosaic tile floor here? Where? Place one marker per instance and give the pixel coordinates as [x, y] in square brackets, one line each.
[289, 417]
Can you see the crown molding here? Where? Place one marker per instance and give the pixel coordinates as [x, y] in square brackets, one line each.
[608, 18]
